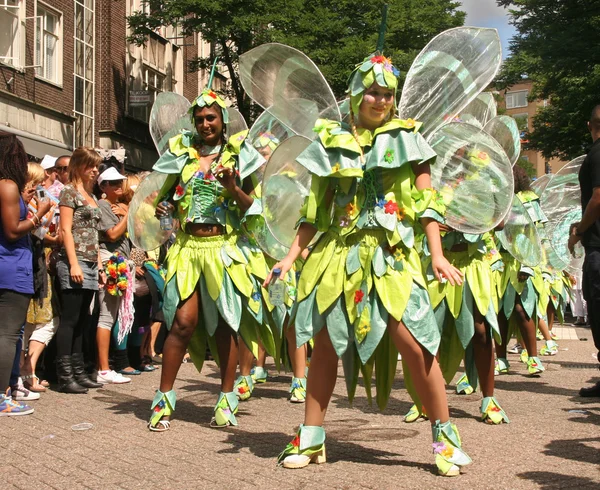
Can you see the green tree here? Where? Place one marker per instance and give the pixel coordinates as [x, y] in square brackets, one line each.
[335, 35]
[555, 47]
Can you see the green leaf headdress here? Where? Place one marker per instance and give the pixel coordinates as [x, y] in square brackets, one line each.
[208, 97]
[375, 68]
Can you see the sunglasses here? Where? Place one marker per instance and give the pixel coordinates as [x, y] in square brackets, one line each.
[61, 168]
[114, 183]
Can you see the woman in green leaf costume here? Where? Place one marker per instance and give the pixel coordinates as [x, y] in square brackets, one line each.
[210, 268]
[361, 293]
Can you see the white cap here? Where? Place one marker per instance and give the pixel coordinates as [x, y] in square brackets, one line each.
[110, 173]
[48, 162]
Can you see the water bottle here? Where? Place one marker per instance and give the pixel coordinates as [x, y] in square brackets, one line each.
[276, 289]
[166, 221]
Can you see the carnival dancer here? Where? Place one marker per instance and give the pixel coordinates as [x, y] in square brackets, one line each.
[362, 284]
[208, 187]
[521, 288]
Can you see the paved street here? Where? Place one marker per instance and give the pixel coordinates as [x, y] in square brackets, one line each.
[553, 440]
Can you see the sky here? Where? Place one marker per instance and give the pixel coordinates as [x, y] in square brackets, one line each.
[486, 13]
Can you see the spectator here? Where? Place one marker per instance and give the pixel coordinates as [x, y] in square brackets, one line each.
[62, 169]
[588, 232]
[16, 262]
[77, 269]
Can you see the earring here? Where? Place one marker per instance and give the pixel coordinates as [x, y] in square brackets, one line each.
[103, 196]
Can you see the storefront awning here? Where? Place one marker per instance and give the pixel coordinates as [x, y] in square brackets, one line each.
[38, 146]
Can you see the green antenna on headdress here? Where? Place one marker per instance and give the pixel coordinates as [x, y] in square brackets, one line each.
[212, 73]
[382, 28]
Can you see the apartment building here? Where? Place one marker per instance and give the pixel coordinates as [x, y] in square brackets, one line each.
[514, 100]
[69, 78]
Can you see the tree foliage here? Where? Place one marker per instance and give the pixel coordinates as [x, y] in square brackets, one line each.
[335, 35]
[556, 48]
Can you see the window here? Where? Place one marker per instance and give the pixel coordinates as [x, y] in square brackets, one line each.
[11, 32]
[47, 45]
[516, 99]
[152, 81]
[84, 73]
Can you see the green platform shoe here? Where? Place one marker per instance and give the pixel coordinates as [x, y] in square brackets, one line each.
[298, 390]
[243, 387]
[491, 412]
[463, 387]
[225, 410]
[162, 407]
[259, 374]
[307, 447]
[415, 414]
[449, 456]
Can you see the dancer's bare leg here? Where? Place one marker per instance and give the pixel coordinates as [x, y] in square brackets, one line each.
[543, 326]
[321, 382]
[246, 358]
[424, 369]
[227, 347]
[297, 354]
[484, 355]
[503, 324]
[527, 327]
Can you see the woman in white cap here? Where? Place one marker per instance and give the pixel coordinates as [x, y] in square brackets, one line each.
[115, 249]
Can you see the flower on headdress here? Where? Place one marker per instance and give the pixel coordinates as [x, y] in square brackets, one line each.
[390, 207]
[400, 214]
[389, 156]
[179, 191]
[378, 59]
[210, 93]
[358, 296]
[395, 71]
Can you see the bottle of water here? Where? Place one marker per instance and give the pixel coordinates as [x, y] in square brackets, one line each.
[276, 289]
[166, 221]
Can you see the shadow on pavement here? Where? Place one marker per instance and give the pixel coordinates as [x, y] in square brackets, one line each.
[575, 449]
[550, 481]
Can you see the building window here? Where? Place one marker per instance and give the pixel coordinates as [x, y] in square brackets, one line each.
[516, 99]
[153, 82]
[11, 29]
[47, 45]
[84, 73]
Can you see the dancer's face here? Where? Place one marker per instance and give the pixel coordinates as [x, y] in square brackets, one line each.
[376, 106]
[209, 124]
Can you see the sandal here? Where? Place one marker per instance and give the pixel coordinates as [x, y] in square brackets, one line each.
[502, 366]
[415, 414]
[307, 447]
[298, 390]
[162, 407]
[535, 366]
[491, 412]
[36, 386]
[225, 410]
[447, 447]
[243, 387]
[463, 387]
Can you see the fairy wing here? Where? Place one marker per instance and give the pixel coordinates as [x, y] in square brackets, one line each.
[539, 185]
[520, 236]
[168, 117]
[285, 82]
[449, 73]
[473, 175]
[505, 131]
[480, 110]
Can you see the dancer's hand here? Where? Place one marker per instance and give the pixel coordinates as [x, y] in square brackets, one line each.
[444, 271]
[226, 176]
[285, 265]
[163, 208]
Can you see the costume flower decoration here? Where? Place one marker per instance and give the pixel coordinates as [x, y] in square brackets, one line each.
[358, 296]
[295, 441]
[344, 221]
[335, 168]
[179, 191]
[390, 207]
[400, 214]
[389, 156]
[117, 272]
[398, 255]
[351, 209]
[256, 296]
[443, 449]
[207, 98]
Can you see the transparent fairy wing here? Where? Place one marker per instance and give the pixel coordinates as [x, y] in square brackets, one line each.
[520, 236]
[539, 185]
[286, 184]
[168, 117]
[505, 131]
[561, 203]
[449, 73]
[289, 85]
[236, 123]
[480, 110]
[473, 176]
[143, 227]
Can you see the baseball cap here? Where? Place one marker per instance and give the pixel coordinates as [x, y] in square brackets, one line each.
[48, 162]
[110, 174]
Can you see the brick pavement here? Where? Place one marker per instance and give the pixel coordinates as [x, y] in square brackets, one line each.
[544, 446]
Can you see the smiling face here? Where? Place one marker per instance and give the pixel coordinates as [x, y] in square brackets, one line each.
[375, 107]
[209, 124]
[112, 188]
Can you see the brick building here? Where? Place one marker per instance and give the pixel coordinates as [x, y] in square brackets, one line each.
[69, 78]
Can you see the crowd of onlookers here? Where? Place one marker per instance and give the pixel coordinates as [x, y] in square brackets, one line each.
[81, 306]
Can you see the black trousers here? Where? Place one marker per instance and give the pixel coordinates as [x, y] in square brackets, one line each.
[13, 312]
[591, 291]
[75, 321]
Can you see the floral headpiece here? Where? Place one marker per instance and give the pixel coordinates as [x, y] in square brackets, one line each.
[207, 98]
[375, 68]
[267, 139]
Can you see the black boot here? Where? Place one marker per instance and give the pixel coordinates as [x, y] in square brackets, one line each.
[81, 377]
[66, 381]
